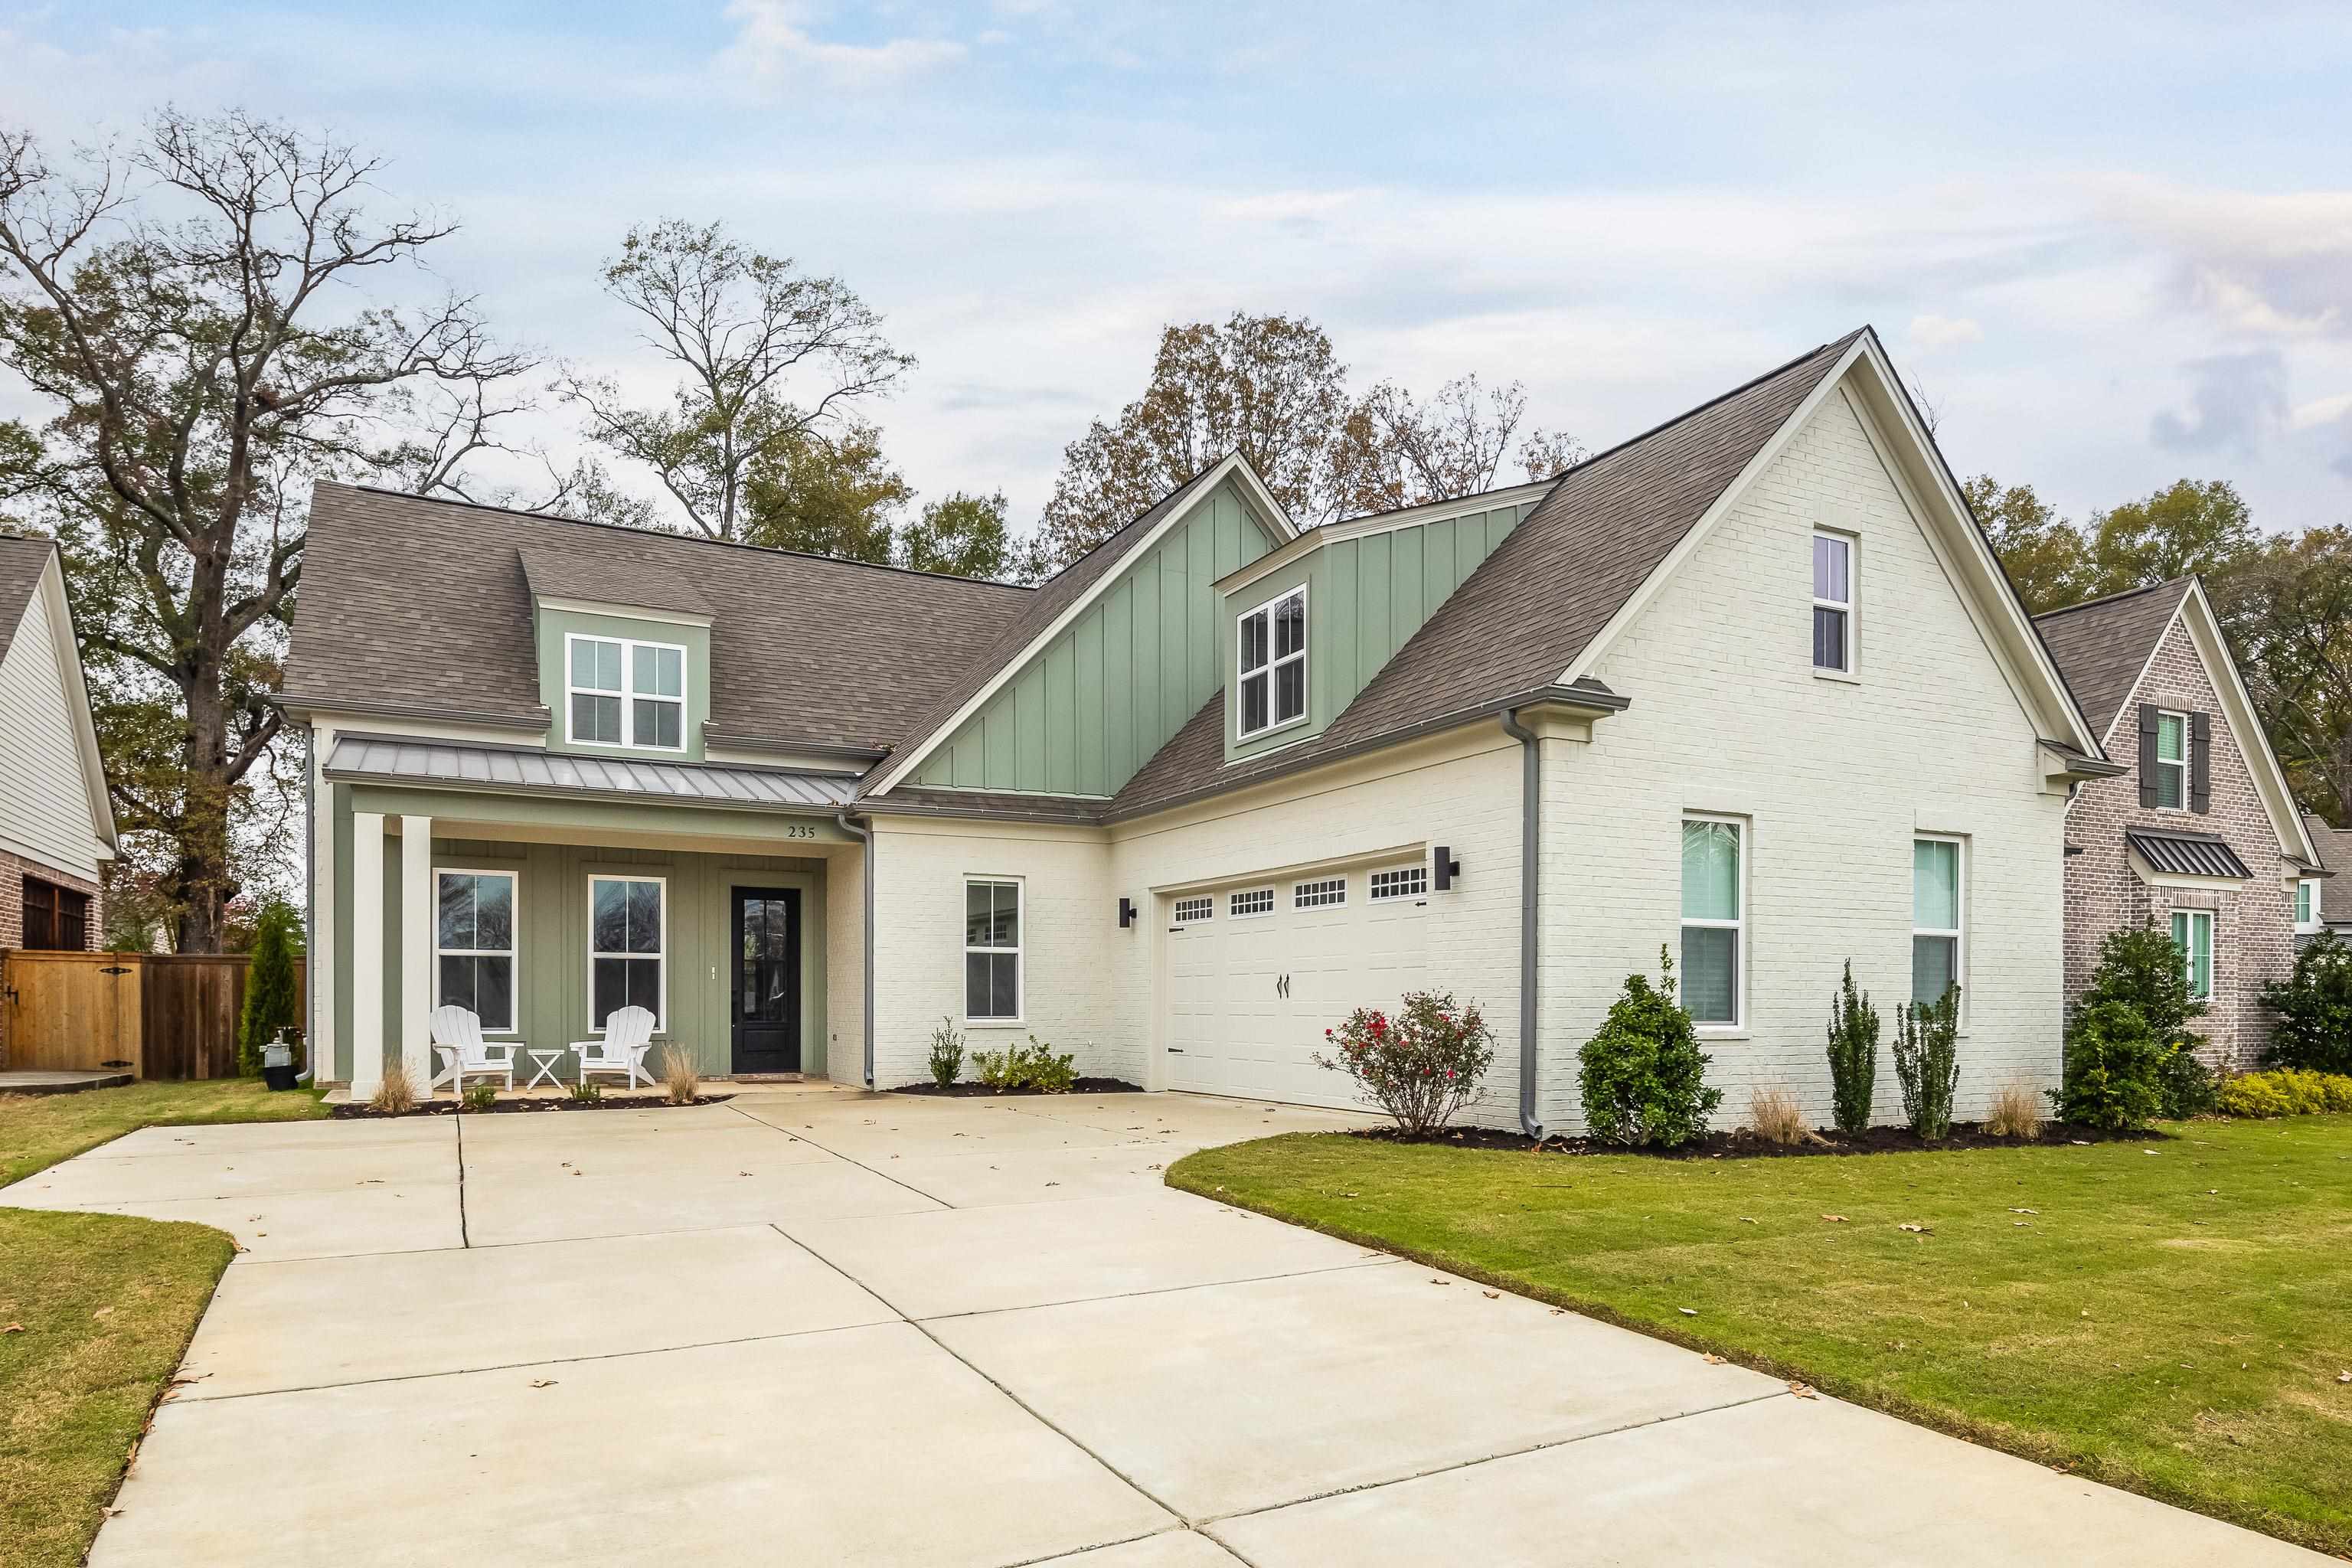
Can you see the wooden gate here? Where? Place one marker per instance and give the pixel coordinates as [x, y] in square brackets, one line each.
[161, 1016]
[72, 1010]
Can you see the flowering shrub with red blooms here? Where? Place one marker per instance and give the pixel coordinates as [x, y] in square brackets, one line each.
[1419, 1065]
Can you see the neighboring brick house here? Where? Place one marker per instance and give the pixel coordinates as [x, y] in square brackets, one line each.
[2317, 907]
[2200, 833]
[56, 827]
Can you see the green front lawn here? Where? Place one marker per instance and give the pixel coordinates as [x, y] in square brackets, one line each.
[2173, 1316]
[95, 1310]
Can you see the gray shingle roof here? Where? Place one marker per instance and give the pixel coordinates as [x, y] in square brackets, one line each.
[586, 572]
[21, 560]
[2186, 854]
[1053, 596]
[422, 605]
[1527, 612]
[2334, 843]
[2101, 645]
[400, 759]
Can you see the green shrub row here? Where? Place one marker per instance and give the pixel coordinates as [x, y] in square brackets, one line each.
[2289, 1091]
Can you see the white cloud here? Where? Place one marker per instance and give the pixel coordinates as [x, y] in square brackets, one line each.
[2320, 410]
[775, 42]
[2269, 264]
[1931, 331]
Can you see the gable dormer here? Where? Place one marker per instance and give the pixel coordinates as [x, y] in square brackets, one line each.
[1306, 626]
[624, 659]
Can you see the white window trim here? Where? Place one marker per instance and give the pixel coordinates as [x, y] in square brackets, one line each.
[2188, 950]
[1853, 665]
[627, 694]
[2316, 921]
[2188, 754]
[1301, 893]
[1019, 950]
[1960, 933]
[1204, 902]
[661, 1013]
[1273, 665]
[1232, 901]
[1378, 897]
[1737, 1023]
[513, 955]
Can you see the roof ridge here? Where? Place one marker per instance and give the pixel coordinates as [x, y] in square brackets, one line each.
[1190, 480]
[2117, 596]
[668, 533]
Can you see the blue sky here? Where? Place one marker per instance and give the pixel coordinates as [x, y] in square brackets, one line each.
[2113, 243]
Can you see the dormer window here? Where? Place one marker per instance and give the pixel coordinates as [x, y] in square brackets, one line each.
[624, 693]
[1274, 664]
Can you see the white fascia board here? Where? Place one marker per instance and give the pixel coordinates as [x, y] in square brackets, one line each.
[2196, 613]
[77, 694]
[624, 612]
[1254, 492]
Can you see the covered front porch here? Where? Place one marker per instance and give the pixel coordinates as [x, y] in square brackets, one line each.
[544, 911]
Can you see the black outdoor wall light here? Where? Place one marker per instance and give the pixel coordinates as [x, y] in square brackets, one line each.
[1126, 913]
[1448, 868]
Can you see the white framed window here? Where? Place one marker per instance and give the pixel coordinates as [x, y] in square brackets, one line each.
[2306, 905]
[1937, 900]
[474, 945]
[621, 692]
[1272, 691]
[2192, 933]
[1715, 921]
[628, 946]
[1403, 882]
[2172, 761]
[1320, 895]
[992, 978]
[1190, 911]
[1250, 901]
[1833, 603]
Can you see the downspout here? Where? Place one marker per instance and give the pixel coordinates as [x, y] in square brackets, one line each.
[849, 825]
[309, 906]
[1530, 886]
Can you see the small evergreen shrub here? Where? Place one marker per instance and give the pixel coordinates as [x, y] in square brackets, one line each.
[947, 1052]
[272, 1001]
[2315, 1009]
[2139, 965]
[2115, 1064]
[1927, 1062]
[2288, 1091]
[1644, 1077]
[2186, 1086]
[1047, 1073]
[1420, 1067]
[587, 1091]
[1853, 1056]
[999, 1070]
[480, 1095]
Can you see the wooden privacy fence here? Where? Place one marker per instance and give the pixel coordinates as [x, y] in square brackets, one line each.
[161, 1016]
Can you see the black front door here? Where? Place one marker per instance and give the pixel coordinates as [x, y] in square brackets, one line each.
[767, 989]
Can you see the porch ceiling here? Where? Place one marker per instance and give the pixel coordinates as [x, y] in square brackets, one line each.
[407, 760]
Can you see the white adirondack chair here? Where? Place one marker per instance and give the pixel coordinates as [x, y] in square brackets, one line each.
[628, 1034]
[458, 1038]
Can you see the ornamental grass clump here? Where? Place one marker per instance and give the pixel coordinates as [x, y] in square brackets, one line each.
[1927, 1062]
[395, 1092]
[1774, 1115]
[1421, 1066]
[681, 1077]
[2016, 1112]
[1853, 1056]
[1644, 1076]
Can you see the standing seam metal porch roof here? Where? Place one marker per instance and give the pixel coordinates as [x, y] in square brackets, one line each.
[391, 760]
[2186, 854]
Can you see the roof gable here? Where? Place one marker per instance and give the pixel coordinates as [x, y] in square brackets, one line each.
[422, 606]
[2103, 647]
[44, 716]
[22, 561]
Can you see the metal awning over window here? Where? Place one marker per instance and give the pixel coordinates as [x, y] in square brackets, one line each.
[397, 760]
[2186, 854]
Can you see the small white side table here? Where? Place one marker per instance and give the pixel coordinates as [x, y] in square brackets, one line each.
[545, 1061]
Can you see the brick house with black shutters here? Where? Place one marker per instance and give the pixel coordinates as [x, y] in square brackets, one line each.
[2201, 835]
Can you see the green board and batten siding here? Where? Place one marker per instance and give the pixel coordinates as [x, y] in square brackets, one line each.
[1366, 595]
[1110, 689]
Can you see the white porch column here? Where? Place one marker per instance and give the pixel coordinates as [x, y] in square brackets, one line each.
[417, 907]
[367, 953]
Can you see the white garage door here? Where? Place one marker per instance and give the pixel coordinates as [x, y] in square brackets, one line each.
[1253, 985]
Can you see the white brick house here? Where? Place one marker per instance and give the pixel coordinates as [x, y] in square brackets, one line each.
[1749, 687]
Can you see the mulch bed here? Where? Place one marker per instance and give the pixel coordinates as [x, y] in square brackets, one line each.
[1743, 1144]
[971, 1090]
[362, 1112]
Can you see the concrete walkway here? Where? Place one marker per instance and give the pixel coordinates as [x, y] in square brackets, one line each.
[815, 1326]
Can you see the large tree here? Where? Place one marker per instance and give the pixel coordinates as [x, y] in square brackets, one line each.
[827, 494]
[2188, 526]
[768, 356]
[965, 536]
[2043, 554]
[195, 312]
[1271, 388]
[2290, 609]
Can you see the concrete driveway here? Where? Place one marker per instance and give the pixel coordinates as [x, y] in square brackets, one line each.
[812, 1326]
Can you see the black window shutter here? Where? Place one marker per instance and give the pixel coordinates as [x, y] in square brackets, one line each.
[2200, 772]
[2148, 754]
